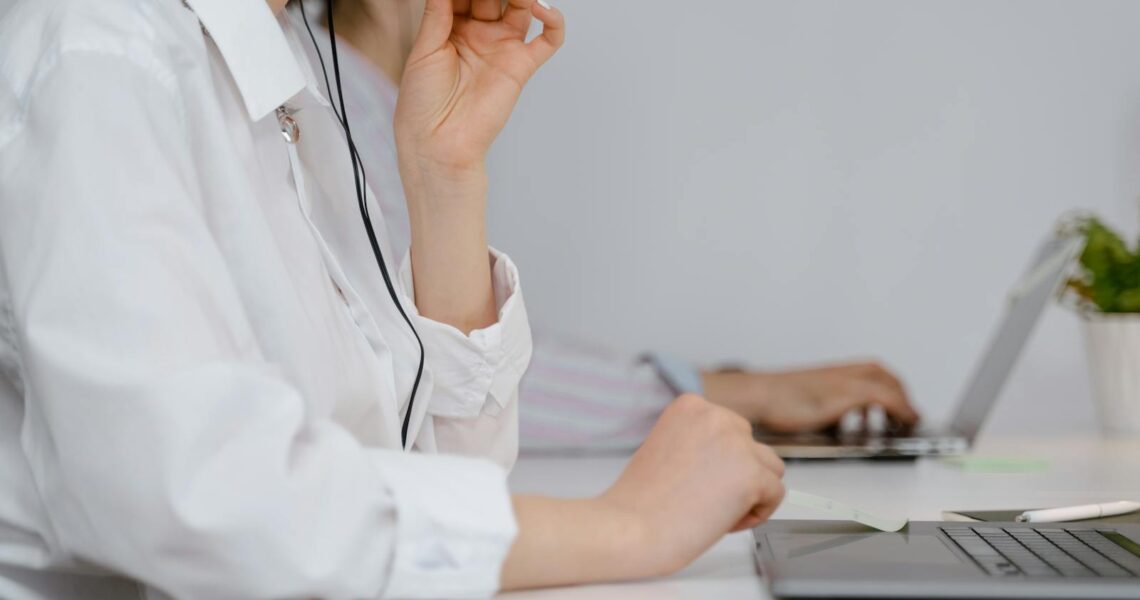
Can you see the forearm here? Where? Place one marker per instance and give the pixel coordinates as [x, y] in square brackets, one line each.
[564, 542]
[451, 266]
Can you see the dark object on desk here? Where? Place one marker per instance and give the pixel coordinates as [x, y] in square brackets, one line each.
[840, 559]
[1004, 516]
[1028, 299]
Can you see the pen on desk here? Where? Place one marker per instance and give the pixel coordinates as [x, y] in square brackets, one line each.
[1078, 513]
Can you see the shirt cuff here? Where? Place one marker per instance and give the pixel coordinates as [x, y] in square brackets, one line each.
[681, 376]
[454, 525]
[489, 362]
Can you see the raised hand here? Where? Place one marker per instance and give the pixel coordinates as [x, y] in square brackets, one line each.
[466, 70]
[463, 77]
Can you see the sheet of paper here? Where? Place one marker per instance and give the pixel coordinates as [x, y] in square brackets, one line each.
[842, 511]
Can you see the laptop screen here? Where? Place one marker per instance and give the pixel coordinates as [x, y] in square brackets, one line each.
[1027, 301]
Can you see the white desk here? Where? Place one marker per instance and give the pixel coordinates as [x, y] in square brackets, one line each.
[1080, 470]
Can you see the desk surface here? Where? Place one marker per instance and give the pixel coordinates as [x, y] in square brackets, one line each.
[1075, 470]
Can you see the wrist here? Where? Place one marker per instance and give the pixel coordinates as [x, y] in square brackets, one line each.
[421, 172]
[423, 154]
[629, 550]
[444, 199]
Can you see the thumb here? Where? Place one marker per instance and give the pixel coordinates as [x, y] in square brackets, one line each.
[435, 29]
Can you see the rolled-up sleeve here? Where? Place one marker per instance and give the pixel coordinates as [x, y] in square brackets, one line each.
[478, 373]
[474, 407]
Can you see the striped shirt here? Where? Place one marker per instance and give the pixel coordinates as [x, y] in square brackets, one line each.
[575, 396]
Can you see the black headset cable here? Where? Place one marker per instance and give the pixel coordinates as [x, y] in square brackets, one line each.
[361, 183]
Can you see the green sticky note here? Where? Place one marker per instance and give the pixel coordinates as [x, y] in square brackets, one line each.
[997, 464]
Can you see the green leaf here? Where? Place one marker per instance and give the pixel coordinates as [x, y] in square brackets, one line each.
[1111, 277]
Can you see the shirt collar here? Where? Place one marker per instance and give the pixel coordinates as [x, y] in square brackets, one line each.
[253, 44]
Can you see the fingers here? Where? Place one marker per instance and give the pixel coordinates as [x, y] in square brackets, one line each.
[770, 460]
[519, 14]
[435, 28]
[461, 7]
[772, 501]
[770, 493]
[845, 401]
[768, 488]
[748, 522]
[543, 47]
[883, 375]
[486, 10]
[903, 412]
[866, 384]
[890, 399]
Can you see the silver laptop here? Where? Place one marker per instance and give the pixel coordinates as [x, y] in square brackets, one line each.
[837, 559]
[1045, 276]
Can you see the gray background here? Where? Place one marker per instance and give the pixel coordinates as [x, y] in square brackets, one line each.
[785, 182]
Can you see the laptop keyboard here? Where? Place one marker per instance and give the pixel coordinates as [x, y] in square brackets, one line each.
[1052, 552]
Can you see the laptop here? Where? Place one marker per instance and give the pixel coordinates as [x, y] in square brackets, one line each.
[838, 559]
[1044, 278]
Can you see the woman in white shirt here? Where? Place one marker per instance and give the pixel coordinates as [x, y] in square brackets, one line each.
[207, 388]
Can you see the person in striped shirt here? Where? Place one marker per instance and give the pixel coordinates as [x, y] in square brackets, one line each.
[577, 396]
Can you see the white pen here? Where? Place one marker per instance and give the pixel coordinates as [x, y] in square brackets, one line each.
[1078, 513]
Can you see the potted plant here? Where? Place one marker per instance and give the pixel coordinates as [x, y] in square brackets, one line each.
[1106, 290]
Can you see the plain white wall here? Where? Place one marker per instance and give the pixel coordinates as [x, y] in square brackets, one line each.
[785, 182]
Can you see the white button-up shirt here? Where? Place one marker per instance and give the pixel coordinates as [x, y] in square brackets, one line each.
[202, 376]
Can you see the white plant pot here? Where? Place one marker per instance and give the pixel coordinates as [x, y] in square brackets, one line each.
[1112, 343]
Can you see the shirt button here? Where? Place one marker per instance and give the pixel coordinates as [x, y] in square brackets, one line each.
[290, 130]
